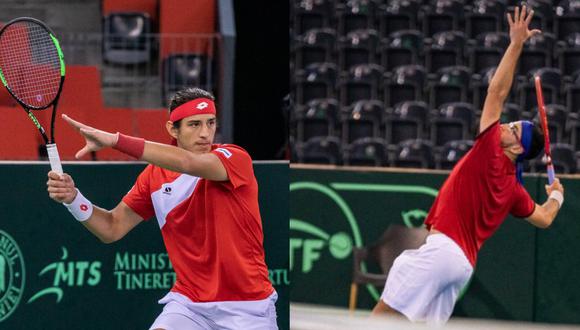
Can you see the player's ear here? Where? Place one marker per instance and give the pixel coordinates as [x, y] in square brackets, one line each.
[171, 129]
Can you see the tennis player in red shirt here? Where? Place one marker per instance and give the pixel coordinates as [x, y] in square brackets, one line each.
[482, 189]
[205, 199]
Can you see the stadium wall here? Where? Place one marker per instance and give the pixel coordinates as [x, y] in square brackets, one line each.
[54, 274]
[523, 273]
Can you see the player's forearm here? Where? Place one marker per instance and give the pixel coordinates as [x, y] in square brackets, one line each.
[183, 161]
[551, 208]
[102, 224]
[502, 79]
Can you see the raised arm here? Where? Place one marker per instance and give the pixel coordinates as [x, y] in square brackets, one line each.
[544, 214]
[207, 165]
[108, 226]
[501, 82]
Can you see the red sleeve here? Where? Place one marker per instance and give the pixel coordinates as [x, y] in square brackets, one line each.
[139, 197]
[522, 205]
[237, 162]
[489, 139]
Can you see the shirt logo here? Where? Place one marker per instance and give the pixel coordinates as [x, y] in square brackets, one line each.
[167, 190]
[202, 105]
[225, 152]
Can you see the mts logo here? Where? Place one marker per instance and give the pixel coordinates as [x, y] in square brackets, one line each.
[339, 245]
[77, 273]
[69, 274]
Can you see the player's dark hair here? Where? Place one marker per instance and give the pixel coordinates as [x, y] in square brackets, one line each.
[537, 144]
[186, 95]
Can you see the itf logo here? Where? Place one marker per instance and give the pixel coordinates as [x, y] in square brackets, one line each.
[12, 275]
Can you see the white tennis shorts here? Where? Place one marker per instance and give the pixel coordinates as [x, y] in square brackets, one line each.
[180, 313]
[423, 284]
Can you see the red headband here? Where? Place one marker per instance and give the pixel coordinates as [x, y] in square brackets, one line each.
[199, 106]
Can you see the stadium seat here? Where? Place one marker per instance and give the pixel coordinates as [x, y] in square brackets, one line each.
[447, 49]
[321, 150]
[414, 154]
[405, 83]
[367, 152]
[480, 83]
[567, 18]
[572, 91]
[316, 81]
[314, 46]
[484, 16]
[398, 15]
[557, 117]
[537, 53]
[574, 128]
[126, 38]
[569, 55]
[358, 47]
[442, 15]
[488, 51]
[185, 70]
[563, 159]
[452, 152]
[401, 48]
[318, 117]
[311, 14]
[452, 121]
[360, 83]
[551, 84]
[451, 85]
[362, 119]
[356, 15]
[407, 121]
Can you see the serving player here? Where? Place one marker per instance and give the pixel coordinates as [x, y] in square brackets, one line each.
[205, 199]
[481, 190]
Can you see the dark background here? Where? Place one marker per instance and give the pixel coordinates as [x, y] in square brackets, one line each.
[261, 76]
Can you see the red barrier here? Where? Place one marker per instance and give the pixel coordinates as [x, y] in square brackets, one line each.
[145, 6]
[186, 17]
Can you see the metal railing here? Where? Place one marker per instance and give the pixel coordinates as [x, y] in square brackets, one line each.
[132, 69]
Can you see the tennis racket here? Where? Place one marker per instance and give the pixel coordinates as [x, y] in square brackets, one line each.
[32, 70]
[544, 123]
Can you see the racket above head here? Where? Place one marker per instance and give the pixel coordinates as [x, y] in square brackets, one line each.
[544, 123]
[32, 69]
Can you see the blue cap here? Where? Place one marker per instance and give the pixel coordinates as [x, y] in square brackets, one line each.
[527, 129]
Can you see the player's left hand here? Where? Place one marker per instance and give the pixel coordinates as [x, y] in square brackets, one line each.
[556, 185]
[95, 139]
[519, 31]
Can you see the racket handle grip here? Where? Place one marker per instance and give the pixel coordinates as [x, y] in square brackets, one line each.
[54, 158]
[551, 174]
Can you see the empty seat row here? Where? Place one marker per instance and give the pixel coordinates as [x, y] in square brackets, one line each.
[444, 49]
[412, 82]
[431, 17]
[413, 154]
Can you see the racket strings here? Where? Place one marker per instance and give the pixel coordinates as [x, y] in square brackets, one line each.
[30, 63]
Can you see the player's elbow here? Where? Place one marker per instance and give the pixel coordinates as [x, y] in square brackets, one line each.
[107, 239]
[545, 221]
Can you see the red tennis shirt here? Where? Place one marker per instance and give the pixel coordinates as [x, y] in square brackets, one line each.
[478, 195]
[212, 230]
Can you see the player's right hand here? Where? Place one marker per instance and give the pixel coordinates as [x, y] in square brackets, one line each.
[556, 185]
[95, 139]
[61, 187]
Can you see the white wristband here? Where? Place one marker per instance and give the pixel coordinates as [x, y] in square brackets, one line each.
[81, 208]
[557, 196]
